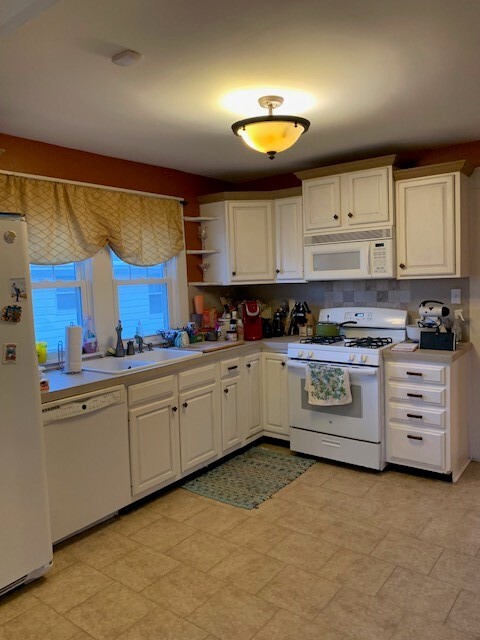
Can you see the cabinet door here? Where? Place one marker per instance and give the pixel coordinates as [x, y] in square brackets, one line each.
[253, 394]
[154, 446]
[365, 197]
[289, 239]
[275, 394]
[199, 425]
[251, 241]
[232, 413]
[426, 227]
[321, 201]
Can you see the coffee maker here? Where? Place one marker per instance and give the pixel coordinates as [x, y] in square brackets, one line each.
[252, 322]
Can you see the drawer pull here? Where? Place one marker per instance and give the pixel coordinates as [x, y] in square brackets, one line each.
[233, 368]
[414, 373]
[414, 395]
[414, 437]
[414, 415]
[174, 409]
[248, 365]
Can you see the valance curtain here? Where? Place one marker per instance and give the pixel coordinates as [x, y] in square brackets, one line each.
[69, 222]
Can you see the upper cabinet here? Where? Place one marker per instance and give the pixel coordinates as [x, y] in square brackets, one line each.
[350, 196]
[432, 221]
[256, 237]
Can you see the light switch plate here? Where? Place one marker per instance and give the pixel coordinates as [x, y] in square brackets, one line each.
[456, 296]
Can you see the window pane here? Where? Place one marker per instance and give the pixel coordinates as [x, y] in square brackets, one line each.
[147, 303]
[40, 273]
[54, 309]
[124, 271]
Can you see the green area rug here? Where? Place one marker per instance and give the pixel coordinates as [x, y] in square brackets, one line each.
[250, 478]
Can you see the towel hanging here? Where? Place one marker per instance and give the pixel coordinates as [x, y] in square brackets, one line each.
[327, 385]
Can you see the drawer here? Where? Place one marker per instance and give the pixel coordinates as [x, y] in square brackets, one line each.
[417, 415]
[230, 367]
[197, 376]
[416, 394]
[145, 391]
[417, 372]
[420, 447]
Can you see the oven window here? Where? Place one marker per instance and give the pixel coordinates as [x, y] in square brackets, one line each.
[352, 410]
[336, 261]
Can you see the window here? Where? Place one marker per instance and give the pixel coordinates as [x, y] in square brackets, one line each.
[59, 299]
[142, 295]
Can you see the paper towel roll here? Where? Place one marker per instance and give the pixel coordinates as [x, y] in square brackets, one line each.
[73, 349]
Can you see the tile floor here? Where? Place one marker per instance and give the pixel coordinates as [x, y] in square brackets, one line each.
[337, 554]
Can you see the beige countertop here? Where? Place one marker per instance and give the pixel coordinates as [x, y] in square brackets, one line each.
[428, 355]
[64, 385]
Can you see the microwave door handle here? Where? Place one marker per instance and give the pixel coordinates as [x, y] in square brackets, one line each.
[369, 259]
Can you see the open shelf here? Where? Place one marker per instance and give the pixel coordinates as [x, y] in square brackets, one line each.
[199, 219]
[205, 284]
[200, 252]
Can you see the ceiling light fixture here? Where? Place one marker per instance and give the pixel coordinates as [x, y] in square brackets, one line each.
[270, 134]
[127, 58]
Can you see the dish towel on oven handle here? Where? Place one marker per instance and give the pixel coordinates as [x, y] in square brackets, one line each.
[327, 385]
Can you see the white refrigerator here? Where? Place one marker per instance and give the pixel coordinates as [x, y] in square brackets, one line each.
[25, 539]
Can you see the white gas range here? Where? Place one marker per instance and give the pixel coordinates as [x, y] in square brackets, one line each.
[351, 432]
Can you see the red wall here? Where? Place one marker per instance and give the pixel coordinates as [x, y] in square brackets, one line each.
[39, 158]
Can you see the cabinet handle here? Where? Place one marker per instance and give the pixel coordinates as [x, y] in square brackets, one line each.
[283, 364]
[350, 215]
[234, 273]
[414, 437]
[335, 217]
[402, 266]
[277, 270]
[414, 395]
[185, 404]
[225, 390]
[233, 368]
[174, 409]
[414, 415]
[414, 373]
[248, 365]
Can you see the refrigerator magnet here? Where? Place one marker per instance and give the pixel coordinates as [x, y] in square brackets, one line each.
[18, 289]
[12, 313]
[9, 353]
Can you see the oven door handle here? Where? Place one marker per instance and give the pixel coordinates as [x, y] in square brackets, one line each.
[363, 371]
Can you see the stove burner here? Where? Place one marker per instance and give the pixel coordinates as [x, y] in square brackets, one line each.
[368, 343]
[322, 340]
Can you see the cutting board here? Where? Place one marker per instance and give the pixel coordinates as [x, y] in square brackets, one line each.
[207, 347]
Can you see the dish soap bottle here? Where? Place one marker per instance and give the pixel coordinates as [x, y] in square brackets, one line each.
[89, 339]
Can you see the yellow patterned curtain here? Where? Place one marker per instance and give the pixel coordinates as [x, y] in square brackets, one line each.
[69, 223]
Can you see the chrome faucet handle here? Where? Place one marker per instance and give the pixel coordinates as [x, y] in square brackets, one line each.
[150, 346]
[139, 340]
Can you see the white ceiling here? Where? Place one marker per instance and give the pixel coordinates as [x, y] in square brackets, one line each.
[384, 75]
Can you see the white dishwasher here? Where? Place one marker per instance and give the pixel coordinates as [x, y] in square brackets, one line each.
[88, 460]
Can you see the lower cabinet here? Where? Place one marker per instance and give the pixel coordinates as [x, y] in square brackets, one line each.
[232, 400]
[154, 444]
[199, 422]
[252, 373]
[275, 395]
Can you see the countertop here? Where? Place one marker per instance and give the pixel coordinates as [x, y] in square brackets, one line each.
[428, 355]
[64, 385]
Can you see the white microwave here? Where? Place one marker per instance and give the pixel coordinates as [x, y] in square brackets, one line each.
[351, 258]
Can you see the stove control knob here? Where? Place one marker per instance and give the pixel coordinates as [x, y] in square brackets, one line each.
[351, 357]
[310, 354]
[364, 358]
[300, 354]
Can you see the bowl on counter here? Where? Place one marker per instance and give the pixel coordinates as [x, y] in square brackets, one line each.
[413, 331]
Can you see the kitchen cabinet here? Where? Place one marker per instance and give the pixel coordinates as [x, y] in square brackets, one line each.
[432, 223]
[288, 239]
[427, 412]
[252, 366]
[233, 422]
[275, 395]
[154, 434]
[350, 200]
[256, 237]
[199, 416]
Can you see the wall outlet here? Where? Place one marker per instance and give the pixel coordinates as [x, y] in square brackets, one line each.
[456, 296]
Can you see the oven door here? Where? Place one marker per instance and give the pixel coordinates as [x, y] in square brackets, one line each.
[359, 420]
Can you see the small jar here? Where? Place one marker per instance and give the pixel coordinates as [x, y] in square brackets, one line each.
[231, 336]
